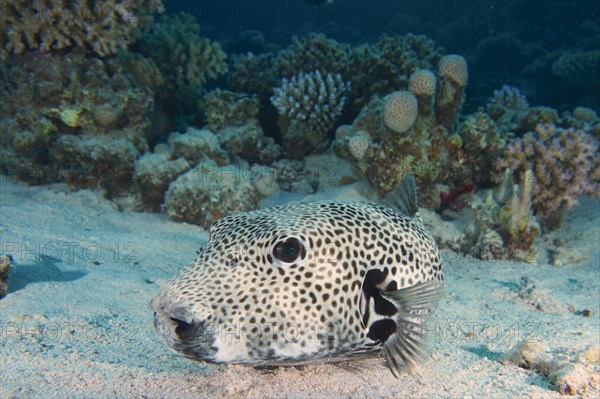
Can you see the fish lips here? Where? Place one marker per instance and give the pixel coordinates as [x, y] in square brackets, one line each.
[181, 332]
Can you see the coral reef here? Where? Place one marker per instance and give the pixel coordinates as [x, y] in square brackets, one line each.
[185, 59]
[196, 146]
[209, 192]
[371, 69]
[400, 111]
[50, 100]
[100, 27]
[564, 163]
[401, 137]
[153, 173]
[452, 80]
[224, 108]
[6, 264]
[91, 161]
[422, 83]
[310, 105]
[207, 159]
[234, 119]
[482, 143]
[504, 224]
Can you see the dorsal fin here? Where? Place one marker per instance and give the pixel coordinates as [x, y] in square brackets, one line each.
[404, 197]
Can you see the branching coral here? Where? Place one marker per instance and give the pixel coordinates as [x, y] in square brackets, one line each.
[564, 163]
[186, 60]
[483, 143]
[311, 103]
[100, 27]
[372, 69]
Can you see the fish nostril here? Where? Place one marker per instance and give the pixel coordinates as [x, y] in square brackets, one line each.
[182, 328]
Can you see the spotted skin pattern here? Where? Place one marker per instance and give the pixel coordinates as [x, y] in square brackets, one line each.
[238, 302]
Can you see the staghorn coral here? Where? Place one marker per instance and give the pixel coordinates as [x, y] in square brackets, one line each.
[564, 163]
[508, 97]
[100, 27]
[310, 104]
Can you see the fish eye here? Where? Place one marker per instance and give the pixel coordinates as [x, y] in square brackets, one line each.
[289, 250]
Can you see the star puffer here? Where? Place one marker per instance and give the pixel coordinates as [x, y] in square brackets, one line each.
[307, 282]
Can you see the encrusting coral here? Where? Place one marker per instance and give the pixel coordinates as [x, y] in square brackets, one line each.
[234, 118]
[310, 104]
[47, 98]
[100, 27]
[208, 192]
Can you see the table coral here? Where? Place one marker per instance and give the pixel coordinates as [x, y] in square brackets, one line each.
[100, 27]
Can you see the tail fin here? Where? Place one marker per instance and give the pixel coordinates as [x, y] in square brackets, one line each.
[404, 197]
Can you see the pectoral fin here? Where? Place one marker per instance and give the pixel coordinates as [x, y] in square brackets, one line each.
[414, 304]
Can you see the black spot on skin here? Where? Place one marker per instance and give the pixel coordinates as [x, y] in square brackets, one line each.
[381, 330]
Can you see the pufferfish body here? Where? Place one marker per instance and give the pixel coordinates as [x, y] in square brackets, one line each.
[307, 282]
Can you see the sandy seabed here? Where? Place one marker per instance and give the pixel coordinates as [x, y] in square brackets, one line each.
[77, 322]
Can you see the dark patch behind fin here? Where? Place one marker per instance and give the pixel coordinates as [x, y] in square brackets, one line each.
[404, 197]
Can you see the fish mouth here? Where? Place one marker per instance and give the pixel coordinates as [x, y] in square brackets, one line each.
[178, 329]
